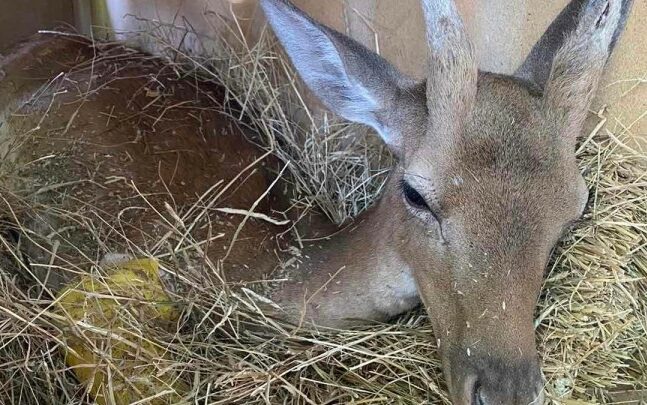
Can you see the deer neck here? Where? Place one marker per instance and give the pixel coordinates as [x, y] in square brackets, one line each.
[365, 242]
[357, 268]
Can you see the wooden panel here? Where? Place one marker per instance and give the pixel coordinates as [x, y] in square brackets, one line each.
[503, 32]
[21, 18]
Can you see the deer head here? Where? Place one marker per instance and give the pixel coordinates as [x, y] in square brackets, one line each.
[486, 180]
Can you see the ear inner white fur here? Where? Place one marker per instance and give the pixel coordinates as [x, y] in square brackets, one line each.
[349, 79]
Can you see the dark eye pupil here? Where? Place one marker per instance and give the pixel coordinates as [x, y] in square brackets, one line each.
[413, 197]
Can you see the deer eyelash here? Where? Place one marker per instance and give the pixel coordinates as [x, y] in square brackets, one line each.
[416, 199]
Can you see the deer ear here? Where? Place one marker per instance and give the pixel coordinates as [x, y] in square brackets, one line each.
[537, 66]
[579, 63]
[350, 80]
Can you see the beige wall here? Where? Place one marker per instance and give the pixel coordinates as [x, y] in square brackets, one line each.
[503, 30]
[21, 18]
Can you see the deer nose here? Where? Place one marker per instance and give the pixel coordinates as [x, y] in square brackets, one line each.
[503, 386]
[495, 396]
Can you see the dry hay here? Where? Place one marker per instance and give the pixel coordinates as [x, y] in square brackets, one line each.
[591, 320]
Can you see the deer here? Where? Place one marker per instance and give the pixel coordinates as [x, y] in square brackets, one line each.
[484, 185]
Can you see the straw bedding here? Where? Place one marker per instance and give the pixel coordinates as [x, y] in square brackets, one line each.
[591, 319]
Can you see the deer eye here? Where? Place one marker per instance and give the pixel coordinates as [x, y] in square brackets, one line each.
[413, 197]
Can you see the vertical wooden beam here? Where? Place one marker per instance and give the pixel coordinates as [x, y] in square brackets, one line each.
[83, 16]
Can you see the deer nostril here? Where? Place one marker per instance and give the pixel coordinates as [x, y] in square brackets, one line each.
[477, 396]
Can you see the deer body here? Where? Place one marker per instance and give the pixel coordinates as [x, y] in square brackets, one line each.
[485, 184]
[96, 148]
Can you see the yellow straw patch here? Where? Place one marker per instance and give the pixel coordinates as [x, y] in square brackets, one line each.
[107, 348]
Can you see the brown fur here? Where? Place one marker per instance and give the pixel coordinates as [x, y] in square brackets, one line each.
[124, 158]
